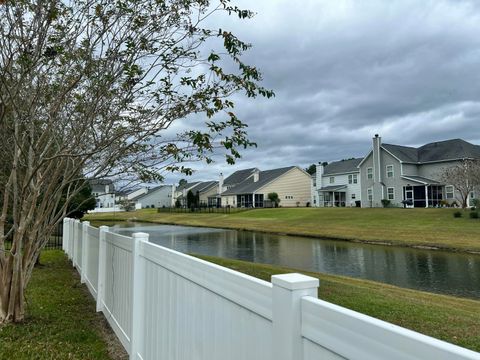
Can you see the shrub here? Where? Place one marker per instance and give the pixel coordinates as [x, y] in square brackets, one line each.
[457, 214]
[474, 215]
[386, 203]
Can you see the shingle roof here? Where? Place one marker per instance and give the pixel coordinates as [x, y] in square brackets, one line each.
[343, 166]
[435, 151]
[238, 176]
[248, 186]
[421, 179]
[203, 186]
[333, 188]
[404, 153]
[187, 186]
[149, 191]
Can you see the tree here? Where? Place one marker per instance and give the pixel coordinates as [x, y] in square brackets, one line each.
[127, 205]
[464, 177]
[190, 199]
[182, 182]
[87, 90]
[312, 169]
[273, 197]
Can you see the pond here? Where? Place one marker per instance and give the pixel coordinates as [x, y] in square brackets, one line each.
[435, 271]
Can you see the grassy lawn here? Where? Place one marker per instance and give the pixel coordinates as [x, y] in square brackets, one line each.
[401, 227]
[61, 321]
[448, 318]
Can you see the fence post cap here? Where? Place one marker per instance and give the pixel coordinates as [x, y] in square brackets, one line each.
[140, 236]
[295, 281]
[103, 228]
[85, 223]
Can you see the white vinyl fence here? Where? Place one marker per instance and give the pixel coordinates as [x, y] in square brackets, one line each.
[165, 305]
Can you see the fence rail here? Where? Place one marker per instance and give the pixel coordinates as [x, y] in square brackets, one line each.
[163, 304]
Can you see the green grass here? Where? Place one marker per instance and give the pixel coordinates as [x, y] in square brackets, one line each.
[401, 227]
[448, 318]
[61, 321]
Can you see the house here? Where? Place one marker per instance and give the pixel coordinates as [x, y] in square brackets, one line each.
[105, 196]
[157, 197]
[338, 184]
[207, 192]
[229, 183]
[402, 173]
[292, 184]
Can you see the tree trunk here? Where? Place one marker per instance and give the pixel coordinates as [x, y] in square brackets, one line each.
[12, 299]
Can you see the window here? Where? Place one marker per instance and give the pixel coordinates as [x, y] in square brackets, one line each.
[369, 173]
[370, 194]
[389, 171]
[332, 179]
[449, 192]
[289, 197]
[353, 196]
[391, 193]
[352, 179]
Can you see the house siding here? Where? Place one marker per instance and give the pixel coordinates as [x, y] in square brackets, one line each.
[342, 179]
[159, 198]
[295, 183]
[365, 182]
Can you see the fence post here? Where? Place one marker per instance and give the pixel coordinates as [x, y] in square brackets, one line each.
[76, 244]
[138, 295]
[287, 292]
[102, 261]
[70, 238]
[65, 235]
[83, 274]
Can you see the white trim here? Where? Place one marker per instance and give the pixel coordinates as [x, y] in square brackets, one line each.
[449, 192]
[386, 171]
[393, 193]
[371, 190]
[381, 146]
[365, 158]
[342, 173]
[372, 178]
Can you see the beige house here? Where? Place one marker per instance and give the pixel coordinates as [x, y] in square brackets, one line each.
[292, 184]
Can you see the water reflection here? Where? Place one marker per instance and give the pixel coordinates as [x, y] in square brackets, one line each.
[434, 271]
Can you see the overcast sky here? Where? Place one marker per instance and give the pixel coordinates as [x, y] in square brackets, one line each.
[343, 71]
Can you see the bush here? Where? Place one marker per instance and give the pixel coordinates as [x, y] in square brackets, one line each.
[457, 214]
[474, 215]
[386, 203]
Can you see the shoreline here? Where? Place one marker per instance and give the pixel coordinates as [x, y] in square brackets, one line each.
[299, 234]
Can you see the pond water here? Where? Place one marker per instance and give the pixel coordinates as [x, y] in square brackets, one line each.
[441, 272]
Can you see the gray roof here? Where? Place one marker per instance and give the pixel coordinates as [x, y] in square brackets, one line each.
[248, 186]
[435, 151]
[421, 179]
[187, 186]
[238, 176]
[149, 191]
[333, 188]
[343, 166]
[203, 186]
[98, 185]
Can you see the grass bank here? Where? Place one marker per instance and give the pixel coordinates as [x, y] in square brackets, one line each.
[61, 321]
[435, 228]
[448, 318]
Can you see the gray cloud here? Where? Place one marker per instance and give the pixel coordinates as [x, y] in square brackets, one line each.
[345, 70]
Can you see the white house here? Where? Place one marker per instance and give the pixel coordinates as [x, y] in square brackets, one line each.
[337, 184]
[105, 196]
[158, 197]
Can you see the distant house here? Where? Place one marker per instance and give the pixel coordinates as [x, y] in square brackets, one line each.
[207, 192]
[250, 187]
[157, 197]
[402, 173]
[105, 196]
[337, 184]
[229, 183]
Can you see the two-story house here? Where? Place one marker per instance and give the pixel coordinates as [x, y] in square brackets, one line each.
[413, 176]
[337, 184]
